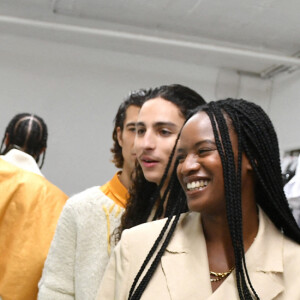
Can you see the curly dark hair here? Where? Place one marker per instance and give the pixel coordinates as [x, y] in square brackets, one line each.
[144, 194]
[27, 132]
[258, 140]
[135, 98]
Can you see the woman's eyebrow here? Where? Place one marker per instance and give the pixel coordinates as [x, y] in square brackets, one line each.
[200, 143]
[211, 142]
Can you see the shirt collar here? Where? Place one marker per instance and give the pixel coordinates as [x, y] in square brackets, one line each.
[119, 189]
[22, 160]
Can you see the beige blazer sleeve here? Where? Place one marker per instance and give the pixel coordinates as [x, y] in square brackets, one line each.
[112, 286]
[125, 262]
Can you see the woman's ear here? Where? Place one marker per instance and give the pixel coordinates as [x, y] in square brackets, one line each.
[247, 163]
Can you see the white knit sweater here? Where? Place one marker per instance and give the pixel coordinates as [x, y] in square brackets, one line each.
[80, 250]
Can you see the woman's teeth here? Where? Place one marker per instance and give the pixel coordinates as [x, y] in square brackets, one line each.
[194, 185]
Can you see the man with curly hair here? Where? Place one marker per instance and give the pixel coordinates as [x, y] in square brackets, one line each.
[82, 243]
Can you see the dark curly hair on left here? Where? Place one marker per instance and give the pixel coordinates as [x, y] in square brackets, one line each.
[26, 132]
[135, 98]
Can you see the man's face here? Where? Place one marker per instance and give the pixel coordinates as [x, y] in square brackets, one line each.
[126, 138]
[159, 123]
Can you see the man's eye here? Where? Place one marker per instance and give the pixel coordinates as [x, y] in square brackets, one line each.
[140, 131]
[165, 132]
[132, 129]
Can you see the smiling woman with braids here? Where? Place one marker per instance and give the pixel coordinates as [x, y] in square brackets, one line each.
[239, 240]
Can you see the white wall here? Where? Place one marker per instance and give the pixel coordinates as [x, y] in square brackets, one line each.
[285, 110]
[77, 91]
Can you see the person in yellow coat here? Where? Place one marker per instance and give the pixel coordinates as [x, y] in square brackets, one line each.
[29, 208]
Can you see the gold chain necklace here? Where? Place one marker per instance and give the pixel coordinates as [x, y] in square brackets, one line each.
[219, 276]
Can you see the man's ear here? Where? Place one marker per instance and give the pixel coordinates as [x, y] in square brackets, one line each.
[119, 136]
[42, 150]
[7, 140]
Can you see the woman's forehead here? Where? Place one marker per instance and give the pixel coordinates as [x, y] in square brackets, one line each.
[197, 128]
[197, 122]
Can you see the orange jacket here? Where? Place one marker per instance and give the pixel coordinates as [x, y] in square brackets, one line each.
[29, 209]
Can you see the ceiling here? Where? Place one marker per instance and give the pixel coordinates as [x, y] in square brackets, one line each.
[252, 36]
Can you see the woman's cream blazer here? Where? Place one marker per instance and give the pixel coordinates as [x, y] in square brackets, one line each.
[273, 263]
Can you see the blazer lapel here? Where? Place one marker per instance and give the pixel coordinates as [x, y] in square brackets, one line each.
[267, 285]
[264, 261]
[185, 261]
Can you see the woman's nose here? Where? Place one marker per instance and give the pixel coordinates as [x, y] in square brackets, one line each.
[190, 164]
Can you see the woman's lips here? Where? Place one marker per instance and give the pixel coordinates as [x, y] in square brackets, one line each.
[195, 186]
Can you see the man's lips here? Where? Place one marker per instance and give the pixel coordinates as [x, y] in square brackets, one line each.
[148, 161]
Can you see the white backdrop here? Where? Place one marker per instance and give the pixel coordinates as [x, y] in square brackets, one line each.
[77, 91]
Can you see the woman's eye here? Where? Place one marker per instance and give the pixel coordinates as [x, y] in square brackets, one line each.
[180, 158]
[131, 129]
[205, 151]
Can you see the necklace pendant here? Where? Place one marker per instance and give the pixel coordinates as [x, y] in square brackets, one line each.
[219, 276]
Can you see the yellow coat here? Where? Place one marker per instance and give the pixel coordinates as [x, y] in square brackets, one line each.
[183, 273]
[29, 209]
